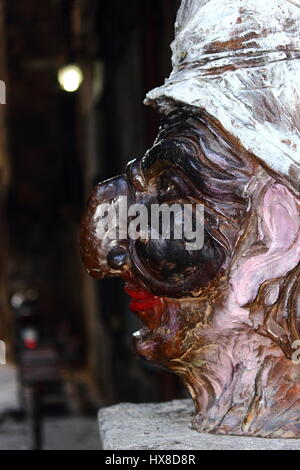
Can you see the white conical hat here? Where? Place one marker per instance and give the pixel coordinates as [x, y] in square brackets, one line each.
[239, 60]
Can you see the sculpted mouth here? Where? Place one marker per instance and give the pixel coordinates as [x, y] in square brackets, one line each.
[142, 300]
[161, 323]
[147, 306]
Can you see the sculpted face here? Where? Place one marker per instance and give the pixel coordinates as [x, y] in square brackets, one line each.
[223, 317]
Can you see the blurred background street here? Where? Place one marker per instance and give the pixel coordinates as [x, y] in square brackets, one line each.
[76, 73]
[71, 432]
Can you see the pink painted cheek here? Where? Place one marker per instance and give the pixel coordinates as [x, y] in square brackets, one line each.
[280, 223]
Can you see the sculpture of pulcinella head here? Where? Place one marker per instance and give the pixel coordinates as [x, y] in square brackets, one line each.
[225, 317]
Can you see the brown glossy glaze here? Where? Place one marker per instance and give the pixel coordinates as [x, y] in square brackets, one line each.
[225, 317]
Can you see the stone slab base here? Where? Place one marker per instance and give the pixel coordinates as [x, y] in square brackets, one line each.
[165, 426]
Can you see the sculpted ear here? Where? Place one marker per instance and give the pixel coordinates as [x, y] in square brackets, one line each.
[278, 250]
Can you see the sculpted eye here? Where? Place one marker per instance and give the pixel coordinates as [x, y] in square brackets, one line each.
[171, 270]
[171, 186]
[177, 172]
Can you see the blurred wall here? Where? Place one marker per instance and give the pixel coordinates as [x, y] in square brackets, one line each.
[60, 145]
[6, 326]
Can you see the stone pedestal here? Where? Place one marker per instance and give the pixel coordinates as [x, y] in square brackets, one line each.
[165, 426]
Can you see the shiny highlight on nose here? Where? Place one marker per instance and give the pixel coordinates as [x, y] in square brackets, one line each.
[117, 258]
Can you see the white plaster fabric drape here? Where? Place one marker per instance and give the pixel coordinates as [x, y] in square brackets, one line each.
[239, 60]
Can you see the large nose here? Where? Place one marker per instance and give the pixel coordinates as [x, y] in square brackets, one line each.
[104, 255]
